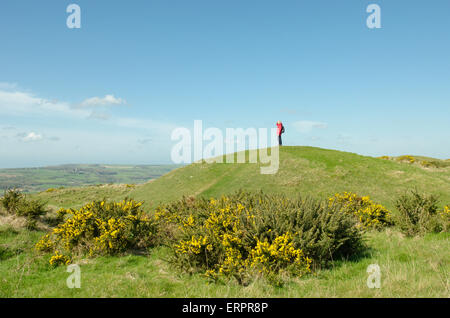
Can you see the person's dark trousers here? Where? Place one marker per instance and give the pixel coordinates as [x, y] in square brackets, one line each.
[279, 140]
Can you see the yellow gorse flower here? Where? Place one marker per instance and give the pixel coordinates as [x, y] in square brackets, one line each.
[58, 259]
[101, 226]
[223, 235]
[368, 213]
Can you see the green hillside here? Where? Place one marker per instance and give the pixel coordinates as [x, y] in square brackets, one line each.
[410, 267]
[303, 170]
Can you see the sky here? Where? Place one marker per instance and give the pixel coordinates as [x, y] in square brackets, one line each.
[115, 89]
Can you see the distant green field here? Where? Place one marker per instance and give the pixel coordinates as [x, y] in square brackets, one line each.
[40, 179]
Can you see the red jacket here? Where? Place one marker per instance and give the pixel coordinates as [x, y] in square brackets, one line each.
[279, 126]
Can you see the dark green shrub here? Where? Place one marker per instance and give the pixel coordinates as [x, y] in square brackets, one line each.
[324, 233]
[18, 204]
[5, 253]
[417, 213]
[31, 210]
[435, 163]
[11, 200]
[247, 233]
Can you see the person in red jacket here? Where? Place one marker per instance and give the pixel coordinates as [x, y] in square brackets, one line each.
[280, 130]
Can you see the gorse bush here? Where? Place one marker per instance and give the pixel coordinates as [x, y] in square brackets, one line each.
[368, 214]
[407, 158]
[418, 213]
[32, 210]
[435, 163]
[427, 164]
[11, 200]
[217, 242]
[99, 228]
[14, 202]
[249, 234]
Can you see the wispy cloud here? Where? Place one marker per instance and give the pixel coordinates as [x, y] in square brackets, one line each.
[21, 104]
[108, 100]
[305, 126]
[18, 103]
[32, 136]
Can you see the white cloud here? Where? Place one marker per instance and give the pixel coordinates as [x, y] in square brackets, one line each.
[19, 103]
[102, 101]
[305, 126]
[22, 103]
[32, 136]
[27, 109]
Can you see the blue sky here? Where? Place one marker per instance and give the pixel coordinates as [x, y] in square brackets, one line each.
[114, 90]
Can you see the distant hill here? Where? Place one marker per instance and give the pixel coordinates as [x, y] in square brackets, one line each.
[303, 170]
[73, 175]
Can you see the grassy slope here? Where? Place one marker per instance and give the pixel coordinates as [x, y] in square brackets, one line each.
[303, 170]
[410, 267]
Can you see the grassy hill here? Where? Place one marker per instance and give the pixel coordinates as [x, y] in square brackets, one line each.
[303, 170]
[410, 267]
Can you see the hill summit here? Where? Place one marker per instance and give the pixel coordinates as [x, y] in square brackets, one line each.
[302, 170]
